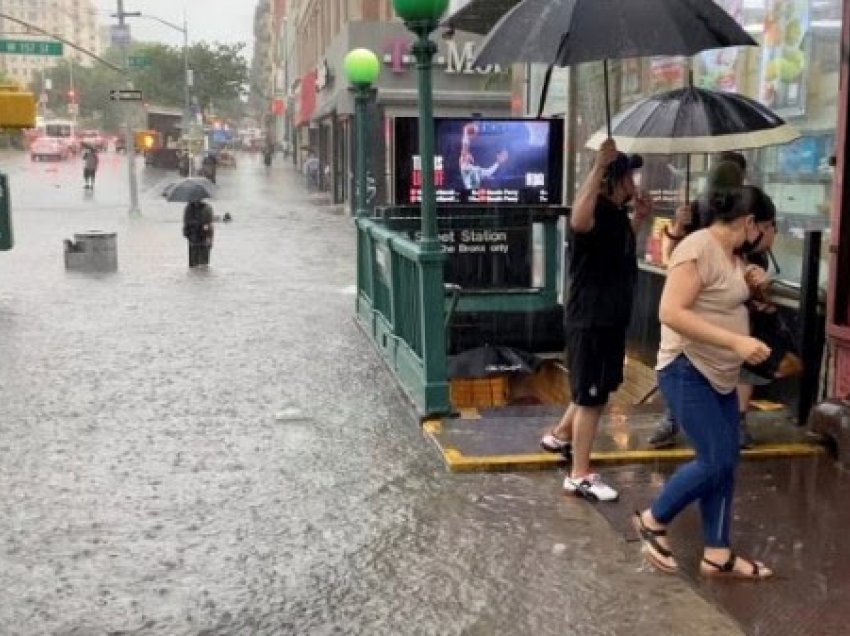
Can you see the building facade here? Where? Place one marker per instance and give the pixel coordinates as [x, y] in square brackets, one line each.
[74, 20]
[794, 71]
[318, 34]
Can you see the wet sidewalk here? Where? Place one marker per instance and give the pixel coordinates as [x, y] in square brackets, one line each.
[508, 438]
[790, 510]
[792, 514]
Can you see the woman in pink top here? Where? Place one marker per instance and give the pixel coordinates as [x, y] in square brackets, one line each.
[704, 340]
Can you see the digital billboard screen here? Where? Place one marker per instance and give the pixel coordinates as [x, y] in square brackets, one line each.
[483, 161]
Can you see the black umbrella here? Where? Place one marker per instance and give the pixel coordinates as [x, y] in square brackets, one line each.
[482, 362]
[695, 120]
[568, 32]
[189, 190]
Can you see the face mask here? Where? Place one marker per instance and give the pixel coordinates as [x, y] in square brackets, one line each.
[748, 247]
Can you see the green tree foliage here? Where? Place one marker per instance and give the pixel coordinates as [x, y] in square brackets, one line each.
[220, 72]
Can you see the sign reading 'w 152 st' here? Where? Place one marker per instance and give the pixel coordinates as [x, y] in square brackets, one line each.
[31, 47]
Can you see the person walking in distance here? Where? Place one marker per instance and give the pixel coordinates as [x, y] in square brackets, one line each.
[705, 338]
[603, 271]
[90, 164]
[199, 231]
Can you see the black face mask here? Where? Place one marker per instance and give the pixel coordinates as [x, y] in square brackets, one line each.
[748, 247]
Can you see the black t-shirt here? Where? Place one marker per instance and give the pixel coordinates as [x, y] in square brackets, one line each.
[603, 270]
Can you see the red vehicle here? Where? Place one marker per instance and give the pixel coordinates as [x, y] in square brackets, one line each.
[49, 148]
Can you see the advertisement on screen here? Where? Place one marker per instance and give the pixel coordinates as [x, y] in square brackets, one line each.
[484, 162]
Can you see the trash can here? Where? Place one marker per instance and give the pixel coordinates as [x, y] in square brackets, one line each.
[92, 251]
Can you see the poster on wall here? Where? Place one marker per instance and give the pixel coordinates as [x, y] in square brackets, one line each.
[667, 73]
[785, 57]
[717, 67]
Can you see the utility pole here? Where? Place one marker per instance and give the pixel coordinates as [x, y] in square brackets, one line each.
[131, 142]
[187, 100]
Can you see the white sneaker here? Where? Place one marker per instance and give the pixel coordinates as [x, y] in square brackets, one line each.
[590, 487]
[552, 444]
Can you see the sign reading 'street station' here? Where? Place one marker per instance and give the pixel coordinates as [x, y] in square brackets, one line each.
[31, 47]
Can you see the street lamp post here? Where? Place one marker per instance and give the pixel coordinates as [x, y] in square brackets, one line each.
[362, 69]
[422, 18]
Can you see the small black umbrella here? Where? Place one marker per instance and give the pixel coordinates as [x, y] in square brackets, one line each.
[695, 120]
[482, 362]
[189, 190]
[568, 32]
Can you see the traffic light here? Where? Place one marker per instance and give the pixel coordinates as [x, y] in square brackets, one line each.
[72, 96]
[146, 139]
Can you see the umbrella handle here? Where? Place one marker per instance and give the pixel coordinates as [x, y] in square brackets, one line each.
[545, 93]
[548, 78]
[607, 98]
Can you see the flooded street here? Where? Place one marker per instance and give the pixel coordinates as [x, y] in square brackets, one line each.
[221, 452]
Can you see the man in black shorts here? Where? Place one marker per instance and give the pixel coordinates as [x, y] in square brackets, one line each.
[603, 270]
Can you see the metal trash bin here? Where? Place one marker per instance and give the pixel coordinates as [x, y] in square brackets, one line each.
[92, 251]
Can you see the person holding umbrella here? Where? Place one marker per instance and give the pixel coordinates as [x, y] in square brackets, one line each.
[705, 338]
[198, 227]
[90, 164]
[603, 271]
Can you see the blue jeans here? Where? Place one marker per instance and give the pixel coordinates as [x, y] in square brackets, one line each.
[710, 420]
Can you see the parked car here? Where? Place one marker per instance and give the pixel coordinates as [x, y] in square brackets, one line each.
[94, 139]
[49, 148]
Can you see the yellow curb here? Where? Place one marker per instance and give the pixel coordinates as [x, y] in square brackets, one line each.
[457, 462]
[432, 427]
[460, 463]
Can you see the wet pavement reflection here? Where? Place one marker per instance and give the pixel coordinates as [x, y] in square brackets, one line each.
[220, 451]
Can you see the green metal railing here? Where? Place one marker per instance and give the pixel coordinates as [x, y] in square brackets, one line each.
[398, 284]
[403, 303]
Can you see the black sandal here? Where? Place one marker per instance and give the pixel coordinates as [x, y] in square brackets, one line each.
[758, 572]
[652, 549]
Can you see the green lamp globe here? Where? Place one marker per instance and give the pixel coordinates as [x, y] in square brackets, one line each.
[361, 67]
[420, 10]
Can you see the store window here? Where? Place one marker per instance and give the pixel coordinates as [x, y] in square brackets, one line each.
[794, 71]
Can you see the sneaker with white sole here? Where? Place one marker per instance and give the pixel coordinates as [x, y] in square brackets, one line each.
[590, 487]
[552, 444]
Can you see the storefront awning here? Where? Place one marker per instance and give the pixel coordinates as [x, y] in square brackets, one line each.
[307, 104]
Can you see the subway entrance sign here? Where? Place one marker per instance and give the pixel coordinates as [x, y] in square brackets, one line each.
[31, 47]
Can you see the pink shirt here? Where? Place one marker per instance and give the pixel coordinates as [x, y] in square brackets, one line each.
[721, 301]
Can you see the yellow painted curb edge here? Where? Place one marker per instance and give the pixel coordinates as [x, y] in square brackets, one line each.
[457, 462]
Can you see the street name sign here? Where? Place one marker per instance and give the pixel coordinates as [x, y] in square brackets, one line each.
[31, 47]
[138, 62]
[125, 95]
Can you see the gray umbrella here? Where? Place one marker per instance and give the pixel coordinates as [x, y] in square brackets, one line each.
[568, 32]
[189, 190]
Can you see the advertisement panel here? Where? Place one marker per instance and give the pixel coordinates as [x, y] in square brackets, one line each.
[785, 57]
[716, 70]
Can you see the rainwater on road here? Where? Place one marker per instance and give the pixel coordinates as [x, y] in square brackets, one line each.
[221, 452]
